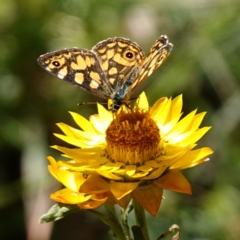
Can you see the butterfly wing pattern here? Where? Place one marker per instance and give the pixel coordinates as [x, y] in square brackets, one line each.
[112, 69]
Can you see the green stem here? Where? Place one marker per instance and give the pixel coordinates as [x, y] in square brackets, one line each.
[111, 219]
[141, 219]
[124, 220]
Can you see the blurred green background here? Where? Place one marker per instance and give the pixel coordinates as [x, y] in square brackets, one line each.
[204, 65]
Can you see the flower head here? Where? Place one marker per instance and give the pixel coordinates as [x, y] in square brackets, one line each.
[133, 153]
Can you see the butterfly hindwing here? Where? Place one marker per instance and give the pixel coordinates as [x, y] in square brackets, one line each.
[118, 58]
[157, 55]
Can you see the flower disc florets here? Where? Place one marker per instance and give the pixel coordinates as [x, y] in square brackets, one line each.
[132, 137]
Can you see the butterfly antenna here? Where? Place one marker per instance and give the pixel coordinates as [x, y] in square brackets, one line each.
[131, 99]
[89, 103]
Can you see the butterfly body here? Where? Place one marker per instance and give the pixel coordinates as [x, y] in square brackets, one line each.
[111, 70]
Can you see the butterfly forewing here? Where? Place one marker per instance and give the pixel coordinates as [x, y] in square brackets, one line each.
[79, 67]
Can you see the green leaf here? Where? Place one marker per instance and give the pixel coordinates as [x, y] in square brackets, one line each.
[57, 212]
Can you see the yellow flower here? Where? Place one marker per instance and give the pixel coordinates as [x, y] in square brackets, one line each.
[129, 154]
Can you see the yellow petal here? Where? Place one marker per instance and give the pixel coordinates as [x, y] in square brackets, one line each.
[176, 108]
[166, 128]
[121, 189]
[83, 155]
[149, 197]
[139, 175]
[67, 130]
[78, 142]
[105, 115]
[101, 196]
[124, 201]
[110, 166]
[130, 169]
[109, 175]
[78, 134]
[157, 107]
[175, 181]
[142, 101]
[94, 184]
[145, 168]
[67, 196]
[92, 204]
[71, 180]
[190, 158]
[163, 113]
[100, 126]
[53, 167]
[156, 173]
[198, 120]
[83, 123]
[174, 113]
[194, 137]
[185, 123]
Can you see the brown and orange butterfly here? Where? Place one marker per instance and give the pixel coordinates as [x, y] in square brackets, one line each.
[111, 70]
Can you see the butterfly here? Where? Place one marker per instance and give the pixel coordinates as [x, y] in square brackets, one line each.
[111, 70]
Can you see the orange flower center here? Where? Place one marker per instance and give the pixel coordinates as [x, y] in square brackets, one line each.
[132, 137]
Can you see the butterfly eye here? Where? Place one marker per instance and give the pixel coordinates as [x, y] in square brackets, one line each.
[129, 55]
[56, 63]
